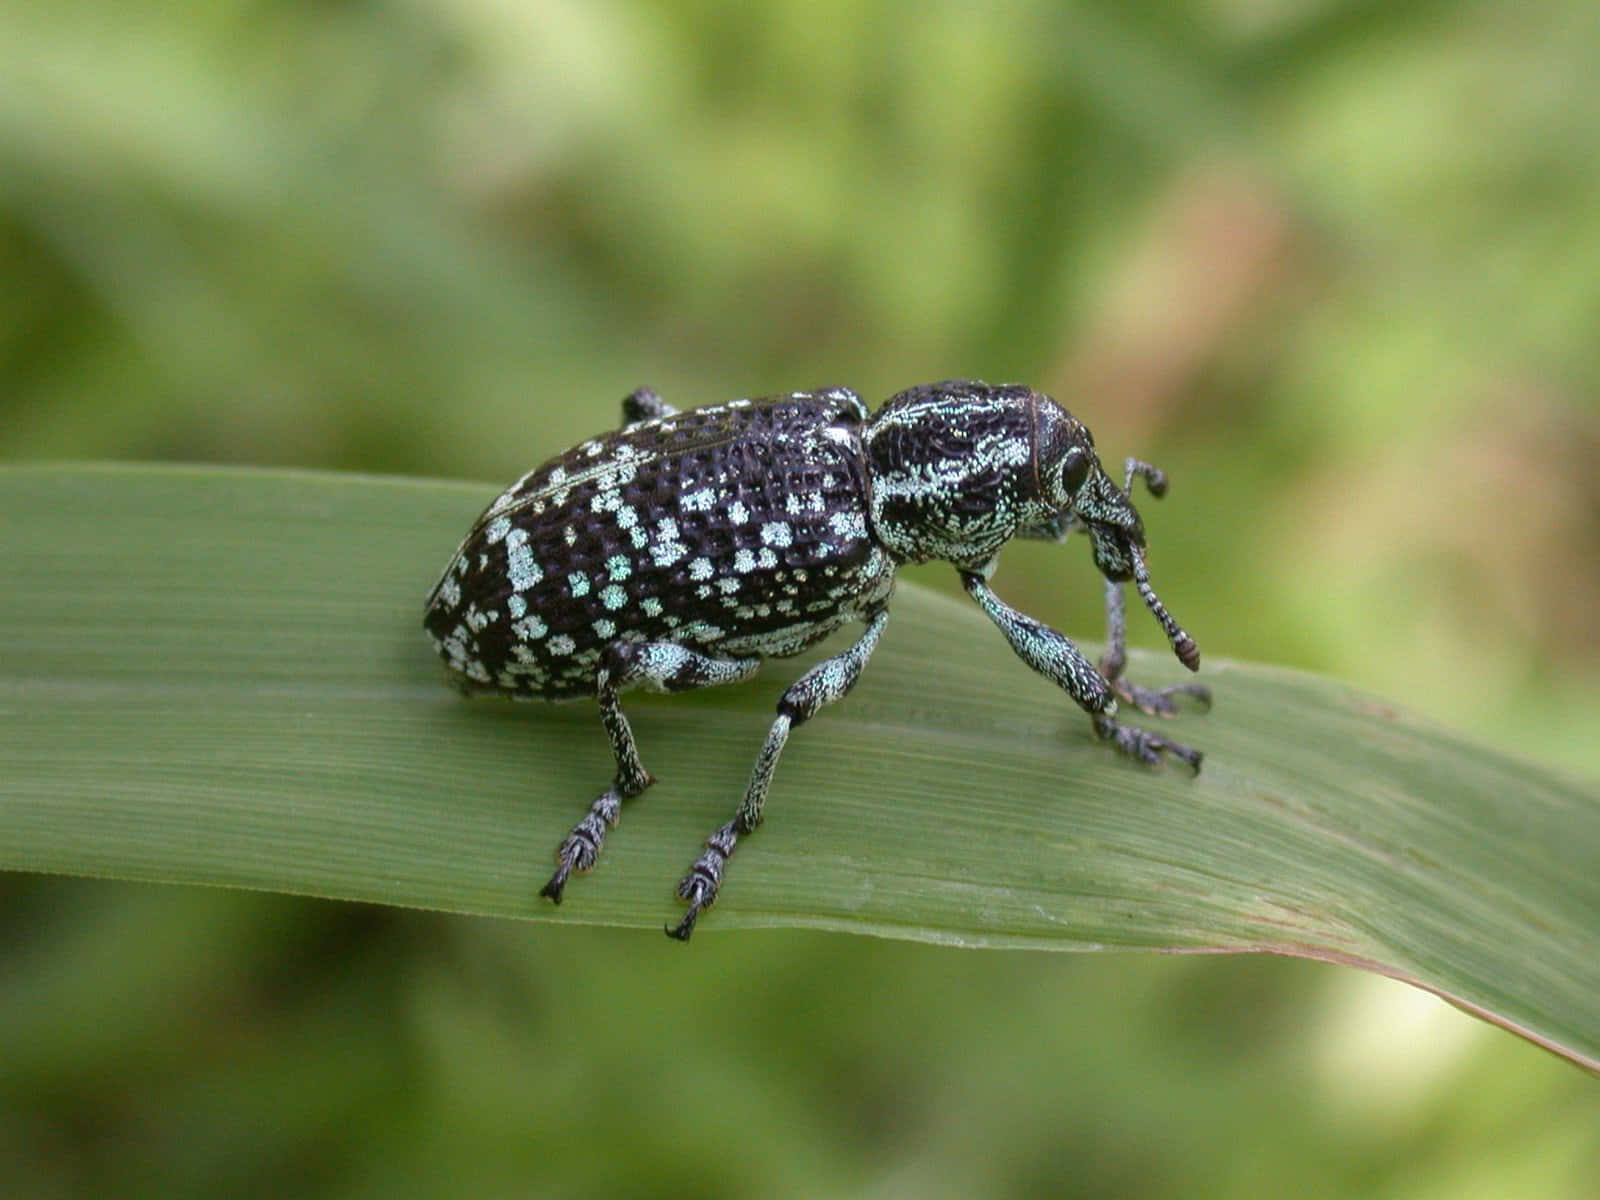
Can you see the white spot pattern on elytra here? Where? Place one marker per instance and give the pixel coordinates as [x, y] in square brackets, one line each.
[521, 571]
[802, 503]
[848, 525]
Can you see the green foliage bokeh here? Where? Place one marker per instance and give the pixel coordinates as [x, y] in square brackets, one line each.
[1329, 263]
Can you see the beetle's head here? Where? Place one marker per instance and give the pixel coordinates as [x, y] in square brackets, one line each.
[1072, 480]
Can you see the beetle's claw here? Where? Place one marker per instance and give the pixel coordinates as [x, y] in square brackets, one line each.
[1145, 746]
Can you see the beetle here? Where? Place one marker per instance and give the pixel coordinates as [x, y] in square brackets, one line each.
[684, 548]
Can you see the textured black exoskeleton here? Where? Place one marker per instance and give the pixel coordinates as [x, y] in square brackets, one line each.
[682, 549]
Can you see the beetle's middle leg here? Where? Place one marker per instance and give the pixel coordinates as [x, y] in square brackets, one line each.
[824, 683]
[661, 666]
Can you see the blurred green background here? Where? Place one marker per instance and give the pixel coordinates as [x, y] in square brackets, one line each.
[1334, 264]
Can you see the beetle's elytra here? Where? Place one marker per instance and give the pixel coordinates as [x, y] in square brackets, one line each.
[682, 549]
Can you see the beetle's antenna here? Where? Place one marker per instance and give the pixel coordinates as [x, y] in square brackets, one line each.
[1182, 644]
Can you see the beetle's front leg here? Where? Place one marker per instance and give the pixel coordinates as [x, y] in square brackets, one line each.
[1055, 656]
[1048, 652]
[1142, 744]
[1155, 701]
[824, 683]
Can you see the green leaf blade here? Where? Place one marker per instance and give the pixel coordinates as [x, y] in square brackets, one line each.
[219, 677]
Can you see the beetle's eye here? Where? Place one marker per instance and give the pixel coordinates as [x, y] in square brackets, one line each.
[1074, 470]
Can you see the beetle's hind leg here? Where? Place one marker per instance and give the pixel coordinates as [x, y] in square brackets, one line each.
[644, 404]
[581, 848]
[824, 683]
[663, 666]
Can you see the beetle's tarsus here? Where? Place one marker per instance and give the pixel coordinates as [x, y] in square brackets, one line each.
[700, 886]
[1145, 746]
[1159, 702]
[581, 848]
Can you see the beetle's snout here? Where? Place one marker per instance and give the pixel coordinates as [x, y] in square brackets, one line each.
[1104, 505]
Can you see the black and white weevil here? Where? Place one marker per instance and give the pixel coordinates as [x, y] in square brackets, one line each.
[682, 549]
